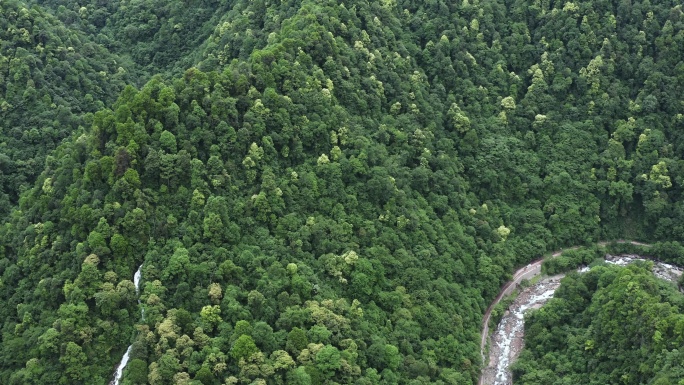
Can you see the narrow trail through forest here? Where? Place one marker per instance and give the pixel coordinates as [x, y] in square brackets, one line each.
[526, 272]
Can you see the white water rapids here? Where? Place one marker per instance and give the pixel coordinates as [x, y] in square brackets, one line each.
[124, 360]
[513, 327]
[507, 341]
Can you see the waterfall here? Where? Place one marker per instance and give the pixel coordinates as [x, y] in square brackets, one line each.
[136, 281]
[122, 365]
[124, 360]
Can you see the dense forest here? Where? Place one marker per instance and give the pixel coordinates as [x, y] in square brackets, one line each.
[50, 78]
[326, 192]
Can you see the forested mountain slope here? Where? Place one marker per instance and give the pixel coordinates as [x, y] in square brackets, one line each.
[159, 36]
[574, 110]
[337, 190]
[50, 78]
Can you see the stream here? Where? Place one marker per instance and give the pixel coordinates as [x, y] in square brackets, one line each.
[507, 340]
[124, 360]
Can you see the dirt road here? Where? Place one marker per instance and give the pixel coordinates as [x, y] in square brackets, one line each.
[526, 272]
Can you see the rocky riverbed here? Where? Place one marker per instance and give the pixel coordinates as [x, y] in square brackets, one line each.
[507, 341]
[661, 270]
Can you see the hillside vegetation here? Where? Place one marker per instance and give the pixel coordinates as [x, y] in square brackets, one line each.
[334, 191]
[158, 36]
[51, 77]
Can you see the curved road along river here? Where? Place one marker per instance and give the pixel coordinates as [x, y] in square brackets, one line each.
[531, 270]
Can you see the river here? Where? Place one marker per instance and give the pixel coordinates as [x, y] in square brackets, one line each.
[507, 340]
